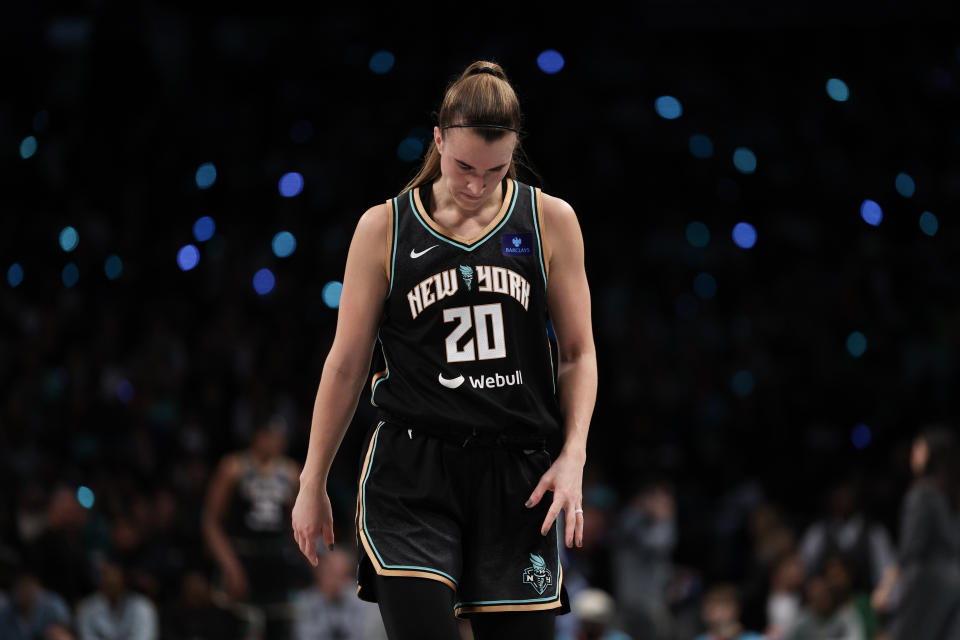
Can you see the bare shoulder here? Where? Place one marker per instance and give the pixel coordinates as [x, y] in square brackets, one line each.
[561, 228]
[374, 220]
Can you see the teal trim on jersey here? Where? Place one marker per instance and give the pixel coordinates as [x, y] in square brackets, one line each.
[366, 476]
[553, 374]
[533, 200]
[466, 247]
[556, 587]
[393, 252]
[387, 365]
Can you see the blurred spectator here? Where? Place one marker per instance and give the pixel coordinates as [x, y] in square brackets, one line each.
[595, 612]
[248, 531]
[643, 542]
[923, 591]
[721, 614]
[194, 615]
[114, 612]
[864, 544]
[839, 578]
[331, 610]
[32, 610]
[772, 540]
[59, 552]
[825, 617]
[786, 595]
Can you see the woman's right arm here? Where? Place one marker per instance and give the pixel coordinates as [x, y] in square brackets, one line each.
[344, 374]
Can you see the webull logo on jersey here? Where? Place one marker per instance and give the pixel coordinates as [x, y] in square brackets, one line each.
[487, 279]
[484, 382]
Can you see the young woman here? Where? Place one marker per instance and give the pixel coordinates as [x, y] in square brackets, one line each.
[448, 287]
[927, 577]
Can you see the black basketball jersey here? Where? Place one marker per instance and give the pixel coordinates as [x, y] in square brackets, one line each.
[260, 509]
[463, 343]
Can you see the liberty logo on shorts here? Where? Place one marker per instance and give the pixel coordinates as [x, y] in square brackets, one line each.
[516, 244]
[537, 576]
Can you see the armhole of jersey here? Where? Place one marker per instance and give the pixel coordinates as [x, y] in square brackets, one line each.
[544, 249]
[391, 242]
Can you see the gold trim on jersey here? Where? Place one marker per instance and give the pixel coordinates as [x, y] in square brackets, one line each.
[543, 239]
[380, 569]
[421, 211]
[533, 606]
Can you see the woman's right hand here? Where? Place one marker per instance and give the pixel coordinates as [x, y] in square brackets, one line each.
[312, 518]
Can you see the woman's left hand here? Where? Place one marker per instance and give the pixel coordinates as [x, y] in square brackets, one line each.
[565, 479]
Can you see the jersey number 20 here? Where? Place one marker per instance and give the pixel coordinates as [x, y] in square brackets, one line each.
[484, 317]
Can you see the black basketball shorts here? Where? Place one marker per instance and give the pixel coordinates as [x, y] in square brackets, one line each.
[431, 508]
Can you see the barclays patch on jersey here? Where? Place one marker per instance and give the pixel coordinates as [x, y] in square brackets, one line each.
[517, 244]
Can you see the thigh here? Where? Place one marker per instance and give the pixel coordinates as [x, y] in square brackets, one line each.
[508, 566]
[407, 518]
[529, 625]
[416, 608]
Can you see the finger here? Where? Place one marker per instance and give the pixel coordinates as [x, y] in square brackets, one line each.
[571, 524]
[311, 551]
[551, 516]
[327, 533]
[541, 488]
[579, 533]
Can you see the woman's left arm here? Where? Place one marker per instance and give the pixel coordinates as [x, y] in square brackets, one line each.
[568, 300]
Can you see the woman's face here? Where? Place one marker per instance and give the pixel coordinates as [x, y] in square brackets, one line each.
[472, 166]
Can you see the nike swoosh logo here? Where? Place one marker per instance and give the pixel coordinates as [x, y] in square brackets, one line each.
[452, 383]
[417, 254]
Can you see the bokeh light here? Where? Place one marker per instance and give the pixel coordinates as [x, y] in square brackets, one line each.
[861, 435]
[125, 391]
[263, 281]
[206, 175]
[929, 223]
[188, 257]
[283, 244]
[905, 185]
[113, 267]
[381, 62]
[204, 228]
[744, 160]
[70, 274]
[668, 107]
[331, 294]
[856, 344]
[871, 212]
[705, 286]
[742, 383]
[550, 61]
[69, 239]
[15, 275]
[698, 235]
[291, 184]
[837, 90]
[744, 235]
[28, 147]
[85, 497]
[410, 149]
[701, 146]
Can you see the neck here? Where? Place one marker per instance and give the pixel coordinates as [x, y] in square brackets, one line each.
[441, 199]
[727, 630]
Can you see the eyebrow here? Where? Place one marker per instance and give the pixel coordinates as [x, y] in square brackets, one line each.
[490, 169]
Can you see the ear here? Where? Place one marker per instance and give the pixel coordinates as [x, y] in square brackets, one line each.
[438, 139]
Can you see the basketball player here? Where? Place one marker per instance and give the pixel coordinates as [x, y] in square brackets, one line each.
[448, 287]
[245, 526]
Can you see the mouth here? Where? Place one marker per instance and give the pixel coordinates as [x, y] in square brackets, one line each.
[469, 197]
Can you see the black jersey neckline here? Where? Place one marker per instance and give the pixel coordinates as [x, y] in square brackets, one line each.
[421, 205]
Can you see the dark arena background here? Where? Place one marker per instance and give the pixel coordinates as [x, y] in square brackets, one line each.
[768, 195]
